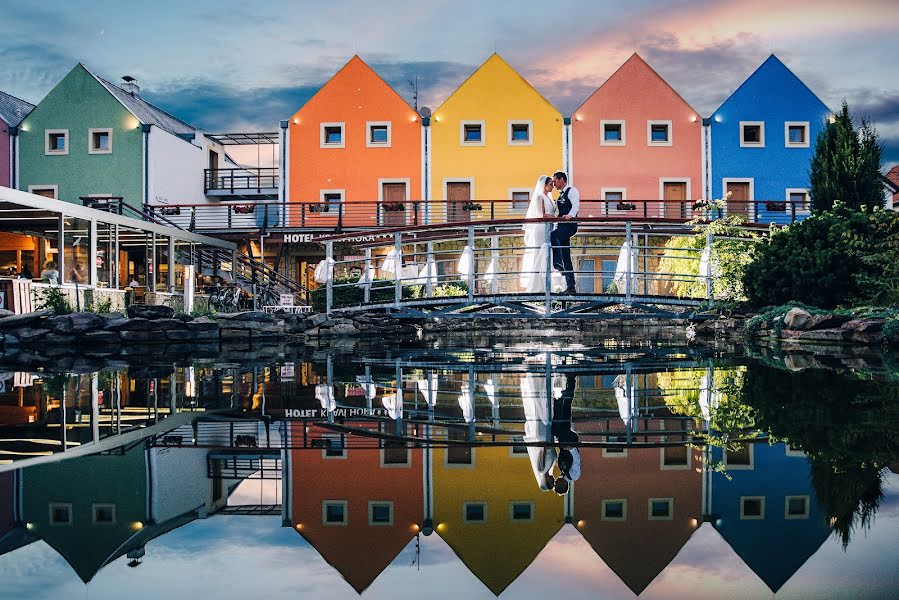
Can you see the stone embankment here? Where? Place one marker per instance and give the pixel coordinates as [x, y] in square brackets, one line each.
[800, 326]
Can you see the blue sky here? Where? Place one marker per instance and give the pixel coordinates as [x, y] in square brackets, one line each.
[237, 65]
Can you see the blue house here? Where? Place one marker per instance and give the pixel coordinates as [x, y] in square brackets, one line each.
[768, 512]
[762, 139]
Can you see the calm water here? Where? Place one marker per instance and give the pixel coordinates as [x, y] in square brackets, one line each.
[410, 472]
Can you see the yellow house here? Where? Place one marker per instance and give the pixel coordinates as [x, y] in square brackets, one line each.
[490, 140]
[488, 508]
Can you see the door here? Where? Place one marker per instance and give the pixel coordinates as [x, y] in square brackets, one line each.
[457, 193]
[393, 204]
[212, 181]
[45, 192]
[739, 201]
[675, 196]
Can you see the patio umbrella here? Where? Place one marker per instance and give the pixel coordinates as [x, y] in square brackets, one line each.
[465, 403]
[389, 264]
[367, 277]
[324, 271]
[627, 265]
[428, 389]
[325, 396]
[708, 266]
[368, 387]
[466, 262]
[394, 404]
[490, 390]
[625, 399]
[490, 273]
[428, 272]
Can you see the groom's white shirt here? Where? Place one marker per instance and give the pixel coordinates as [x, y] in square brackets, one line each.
[575, 197]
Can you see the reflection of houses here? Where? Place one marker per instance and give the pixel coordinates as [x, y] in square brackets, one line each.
[768, 512]
[762, 141]
[13, 533]
[637, 507]
[357, 507]
[488, 508]
[95, 509]
[12, 111]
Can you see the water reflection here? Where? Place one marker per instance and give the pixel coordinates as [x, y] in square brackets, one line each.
[496, 454]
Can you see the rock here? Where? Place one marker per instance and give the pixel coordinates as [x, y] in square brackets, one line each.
[319, 319]
[826, 321]
[27, 335]
[167, 325]
[253, 315]
[179, 335]
[796, 362]
[136, 324]
[59, 340]
[60, 324]
[796, 319]
[86, 321]
[202, 324]
[16, 321]
[100, 338]
[6, 313]
[864, 325]
[832, 336]
[150, 311]
[344, 329]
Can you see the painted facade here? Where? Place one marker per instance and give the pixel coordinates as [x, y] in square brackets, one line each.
[636, 138]
[489, 510]
[762, 141]
[358, 508]
[768, 511]
[356, 141]
[490, 140]
[637, 508]
[90, 137]
[12, 111]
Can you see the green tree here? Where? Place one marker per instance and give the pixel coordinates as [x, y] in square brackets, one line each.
[846, 165]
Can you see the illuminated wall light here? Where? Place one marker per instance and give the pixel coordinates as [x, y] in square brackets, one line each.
[29, 526]
[578, 117]
[441, 527]
[299, 526]
[296, 121]
[581, 524]
[718, 118]
[694, 523]
[416, 528]
[693, 118]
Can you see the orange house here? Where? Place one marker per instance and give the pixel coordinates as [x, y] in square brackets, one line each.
[635, 138]
[358, 507]
[637, 507]
[355, 141]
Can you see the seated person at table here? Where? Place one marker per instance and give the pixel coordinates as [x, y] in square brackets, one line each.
[50, 274]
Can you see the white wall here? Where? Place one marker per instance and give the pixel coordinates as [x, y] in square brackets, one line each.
[180, 482]
[176, 168]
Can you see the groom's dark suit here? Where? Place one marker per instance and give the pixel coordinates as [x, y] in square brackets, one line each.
[561, 235]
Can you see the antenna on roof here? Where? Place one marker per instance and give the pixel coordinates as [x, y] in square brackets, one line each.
[413, 83]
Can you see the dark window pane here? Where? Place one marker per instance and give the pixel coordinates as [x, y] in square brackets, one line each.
[659, 133]
[334, 513]
[472, 133]
[752, 134]
[796, 507]
[797, 134]
[521, 512]
[520, 133]
[395, 453]
[660, 508]
[612, 133]
[475, 512]
[379, 134]
[333, 135]
[614, 510]
[752, 507]
[380, 513]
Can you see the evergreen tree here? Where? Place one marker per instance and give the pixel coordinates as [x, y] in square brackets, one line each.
[846, 165]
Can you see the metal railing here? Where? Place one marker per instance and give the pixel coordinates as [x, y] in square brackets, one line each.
[243, 180]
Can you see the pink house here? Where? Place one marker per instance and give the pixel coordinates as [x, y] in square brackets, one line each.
[12, 111]
[636, 139]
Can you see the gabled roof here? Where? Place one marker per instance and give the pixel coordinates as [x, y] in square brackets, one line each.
[892, 179]
[13, 110]
[146, 113]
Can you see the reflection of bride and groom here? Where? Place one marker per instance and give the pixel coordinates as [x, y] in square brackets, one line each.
[542, 205]
[551, 425]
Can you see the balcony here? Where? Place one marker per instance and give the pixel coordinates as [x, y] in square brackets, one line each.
[245, 182]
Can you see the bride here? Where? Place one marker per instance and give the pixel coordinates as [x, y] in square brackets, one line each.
[533, 263]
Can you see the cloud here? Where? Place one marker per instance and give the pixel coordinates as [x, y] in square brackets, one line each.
[31, 70]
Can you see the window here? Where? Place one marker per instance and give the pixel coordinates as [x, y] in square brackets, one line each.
[521, 511]
[519, 449]
[740, 458]
[331, 200]
[798, 200]
[334, 512]
[332, 135]
[47, 191]
[394, 454]
[459, 454]
[752, 134]
[611, 133]
[658, 133]
[378, 135]
[56, 141]
[474, 512]
[796, 507]
[520, 133]
[472, 133]
[613, 197]
[333, 446]
[619, 452]
[380, 513]
[674, 457]
[60, 513]
[104, 514]
[521, 199]
[614, 510]
[796, 134]
[752, 507]
[99, 141]
[661, 509]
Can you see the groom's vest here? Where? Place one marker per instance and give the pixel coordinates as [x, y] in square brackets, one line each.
[563, 203]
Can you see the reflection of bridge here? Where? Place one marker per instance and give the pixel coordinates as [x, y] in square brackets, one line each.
[470, 269]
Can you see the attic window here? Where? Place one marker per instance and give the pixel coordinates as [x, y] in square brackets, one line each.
[380, 513]
[752, 134]
[472, 133]
[614, 510]
[474, 512]
[104, 514]
[100, 141]
[334, 512]
[332, 135]
[520, 133]
[56, 141]
[60, 514]
[752, 507]
[658, 133]
[796, 134]
[796, 507]
[611, 133]
[378, 135]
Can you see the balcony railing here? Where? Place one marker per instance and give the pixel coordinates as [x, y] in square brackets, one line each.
[241, 181]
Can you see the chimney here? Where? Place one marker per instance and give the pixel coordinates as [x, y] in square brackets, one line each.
[129, 84]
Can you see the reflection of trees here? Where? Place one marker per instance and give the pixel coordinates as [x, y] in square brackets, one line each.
[844, 422]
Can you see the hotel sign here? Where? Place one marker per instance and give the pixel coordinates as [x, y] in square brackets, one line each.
[321, 413]
[308, 238]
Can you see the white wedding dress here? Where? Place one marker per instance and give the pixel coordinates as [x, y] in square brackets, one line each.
[533, 264]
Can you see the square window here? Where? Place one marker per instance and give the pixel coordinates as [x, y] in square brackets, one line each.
[56, 141]
[611, 133]
[521, 511]
[395, 453]
[462, 454]
[615, 452]
[334, 512]
[380, 513]
[331, 201]
[752, 134]
[614, 196]
[60, 514]
[104, 514]
[519, 448]
[796, 507]
[332, 135]
[100, 141]
[796, 134]
[675, 456]
[659, 133]
[520, 200]
[740, 458]
[378, 134]
[752, 507]
[614, 510]
[333, 446]
[660, 508]
[473, 134]
[798, 201]
[520, 133]
[474, 512]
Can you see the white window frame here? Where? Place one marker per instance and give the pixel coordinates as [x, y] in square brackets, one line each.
[745, 517]
[321, 197]
[790, 451]
[622, 518]
[462, 141]
[670, 502]
[668, 124]
[465, 506]
[371, 507]
[346, 513]
[55, 188]
[749, 467]
[808, 131]
[664, 467]
[808, 200]
[90, 140]
[602, 132]
[332, 436]
[94, 508]
[761, 142]
[512, 504]
[323, 137]
[612, 210]
[370, 144]
[47, 134]
[402, 465]
[511, 191]
[54, 505]
[530, 126]
[804, 515]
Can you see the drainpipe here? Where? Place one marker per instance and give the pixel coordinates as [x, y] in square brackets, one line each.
[426, 168]
[13, 151]
[707, 157]
[283, 173]
[566, 148]
[145, 129]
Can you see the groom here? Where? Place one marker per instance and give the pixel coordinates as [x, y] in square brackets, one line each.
[568, 204]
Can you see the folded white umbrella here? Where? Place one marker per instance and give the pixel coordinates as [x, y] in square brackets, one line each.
[389, 264]
[428, 389]
[465, 403]
[704, 396]
[627, 264]
[367, 277]
[625, 399]
[324, 271]
[325, 396]
[490, 273]
[394, 404]
[428, 273]
[466, 262]
[490, 390]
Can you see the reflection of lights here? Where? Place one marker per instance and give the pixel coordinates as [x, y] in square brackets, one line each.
[441, 527]
[581, 523]
[299, 526]
[29, 526]
[416, 528]
[694, 523]
[833, 521]
[718, 523]
[137, 525]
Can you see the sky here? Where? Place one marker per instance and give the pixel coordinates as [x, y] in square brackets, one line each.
[238, 65]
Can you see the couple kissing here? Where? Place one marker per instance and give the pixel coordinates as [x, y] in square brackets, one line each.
[566, 206]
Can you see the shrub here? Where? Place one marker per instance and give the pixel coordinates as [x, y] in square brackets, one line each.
[55, 300]
[382, 290]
